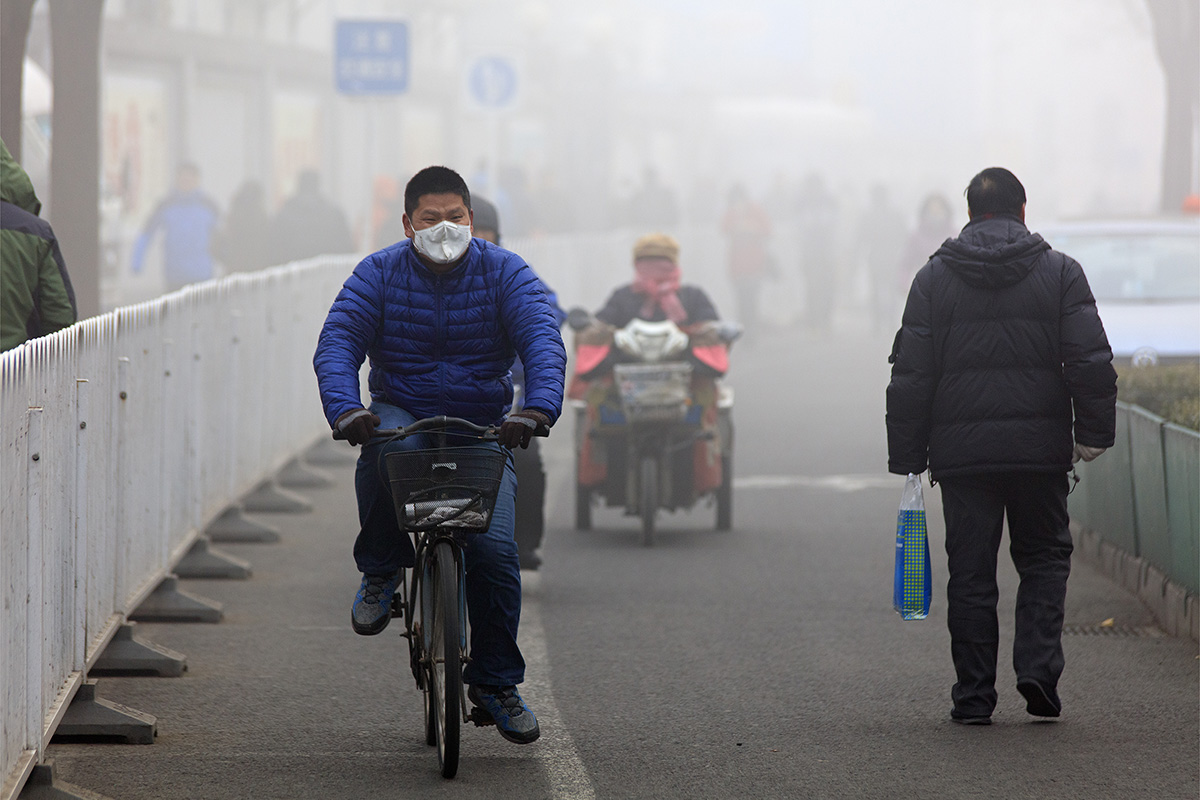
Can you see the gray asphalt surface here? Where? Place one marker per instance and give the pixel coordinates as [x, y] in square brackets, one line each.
[764, 662]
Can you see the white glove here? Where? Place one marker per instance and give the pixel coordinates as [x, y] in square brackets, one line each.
[1082, 451]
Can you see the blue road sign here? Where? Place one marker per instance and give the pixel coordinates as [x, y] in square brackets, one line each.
[493, 82]
[371, 57]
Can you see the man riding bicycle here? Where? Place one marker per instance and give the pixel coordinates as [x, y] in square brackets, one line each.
[441, 316]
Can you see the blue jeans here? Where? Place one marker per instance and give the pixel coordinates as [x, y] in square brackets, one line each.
[493, 569]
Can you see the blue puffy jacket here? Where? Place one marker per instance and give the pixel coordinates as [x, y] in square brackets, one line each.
[441, 344]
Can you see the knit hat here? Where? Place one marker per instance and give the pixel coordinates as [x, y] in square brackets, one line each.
[656, 245]
[486, 216]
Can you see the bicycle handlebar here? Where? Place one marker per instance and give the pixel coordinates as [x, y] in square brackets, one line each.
[488, 433]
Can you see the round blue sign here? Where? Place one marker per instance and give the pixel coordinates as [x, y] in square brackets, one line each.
[493, 82]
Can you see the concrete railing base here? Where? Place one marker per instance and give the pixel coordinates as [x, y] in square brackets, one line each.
[270, 497]
[1176, 610]
[169, 603]
[43, 785]
[234, 526]
[203, 561]
[128, 655]
[89, 716]
[298, 474]
[328, 452]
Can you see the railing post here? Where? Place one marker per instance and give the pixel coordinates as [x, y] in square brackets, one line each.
[233, 396]
[201, 479]
[120, 444]
[165, 467]
[35, 707]
[82, 532]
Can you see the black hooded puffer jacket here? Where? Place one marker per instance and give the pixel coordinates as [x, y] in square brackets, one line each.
[1001, 362]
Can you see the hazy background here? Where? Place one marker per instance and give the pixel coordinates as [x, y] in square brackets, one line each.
[612, 94]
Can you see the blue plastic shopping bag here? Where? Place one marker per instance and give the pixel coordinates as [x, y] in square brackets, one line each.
[913, 586]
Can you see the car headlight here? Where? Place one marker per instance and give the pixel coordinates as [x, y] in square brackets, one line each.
[1144, 357]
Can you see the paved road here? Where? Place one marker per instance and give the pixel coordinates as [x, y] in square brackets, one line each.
[763, 662]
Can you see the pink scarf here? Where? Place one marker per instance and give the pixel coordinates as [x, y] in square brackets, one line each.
[658, 280]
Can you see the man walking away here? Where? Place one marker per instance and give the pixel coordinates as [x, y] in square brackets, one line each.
[1002, 378]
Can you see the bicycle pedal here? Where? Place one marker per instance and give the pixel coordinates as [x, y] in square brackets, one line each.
[481, 717]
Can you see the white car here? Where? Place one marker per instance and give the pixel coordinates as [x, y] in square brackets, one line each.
[1145, 275]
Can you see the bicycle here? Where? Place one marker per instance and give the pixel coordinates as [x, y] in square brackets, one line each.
[441, 494]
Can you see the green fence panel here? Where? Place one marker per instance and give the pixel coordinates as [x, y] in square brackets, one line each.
[1081, 502]
[1103, 500]
[1149, 487]
[1181, 459]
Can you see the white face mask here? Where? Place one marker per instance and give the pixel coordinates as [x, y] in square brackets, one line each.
[443, 243]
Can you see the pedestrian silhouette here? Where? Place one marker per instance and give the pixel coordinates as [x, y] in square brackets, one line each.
[309, 224]
[186, 218]
[243, 242]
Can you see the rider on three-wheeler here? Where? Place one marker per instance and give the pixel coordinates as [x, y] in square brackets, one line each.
[656, 295]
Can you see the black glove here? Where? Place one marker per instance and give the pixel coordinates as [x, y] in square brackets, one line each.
[357, 425]
[519, 428]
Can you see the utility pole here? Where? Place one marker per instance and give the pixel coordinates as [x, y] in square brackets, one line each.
[1176, 26]
[75, 144]
[14, 33]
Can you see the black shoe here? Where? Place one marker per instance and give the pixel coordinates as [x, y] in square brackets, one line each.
[1039, 701]
[970, 719]
[530, 561]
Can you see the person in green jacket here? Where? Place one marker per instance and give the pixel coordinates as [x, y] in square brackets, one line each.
[36, 297]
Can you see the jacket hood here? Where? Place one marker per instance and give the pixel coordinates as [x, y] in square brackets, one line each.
[993, 252]
[15, 186]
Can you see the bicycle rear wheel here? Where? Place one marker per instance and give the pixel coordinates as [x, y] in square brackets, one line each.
[445, 658]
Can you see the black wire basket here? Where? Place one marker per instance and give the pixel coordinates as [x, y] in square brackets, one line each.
[449, 487]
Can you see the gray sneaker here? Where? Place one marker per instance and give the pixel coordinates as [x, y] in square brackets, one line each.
[512, 717]
[372, 609]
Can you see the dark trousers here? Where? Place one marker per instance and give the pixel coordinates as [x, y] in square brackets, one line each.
[531, 500]
[1040, 544]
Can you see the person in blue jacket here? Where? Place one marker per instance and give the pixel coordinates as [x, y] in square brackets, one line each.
[187, 219]
[530, 526]
[442, 316]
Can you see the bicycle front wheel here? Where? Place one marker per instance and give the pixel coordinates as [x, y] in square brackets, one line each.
[445, 658]
[649, 498]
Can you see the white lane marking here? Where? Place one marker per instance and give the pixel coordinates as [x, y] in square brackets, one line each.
[568, 778]
[837, 483]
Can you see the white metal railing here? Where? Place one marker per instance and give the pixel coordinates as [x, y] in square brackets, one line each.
[123, 437]
[126, 434]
